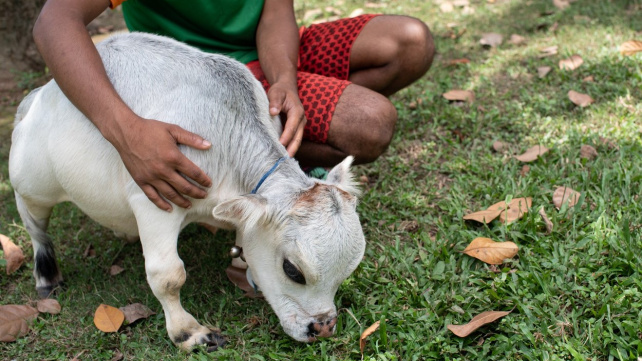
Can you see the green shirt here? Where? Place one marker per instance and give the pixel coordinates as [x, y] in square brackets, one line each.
[216, 26]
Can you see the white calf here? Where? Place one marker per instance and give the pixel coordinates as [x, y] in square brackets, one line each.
[301, 237]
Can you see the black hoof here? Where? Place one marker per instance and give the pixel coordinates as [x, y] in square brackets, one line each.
[214, 341]
[47, 291]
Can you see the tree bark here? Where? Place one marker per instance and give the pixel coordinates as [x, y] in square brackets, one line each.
[17, 48]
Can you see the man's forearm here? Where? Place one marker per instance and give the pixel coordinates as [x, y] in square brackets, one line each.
[278, 42]
[63, 41]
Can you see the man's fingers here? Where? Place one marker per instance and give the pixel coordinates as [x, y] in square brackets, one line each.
[295, 143]
[276, 98]
[184, 187]
[190, 139]
[172, 194]
[153, 196]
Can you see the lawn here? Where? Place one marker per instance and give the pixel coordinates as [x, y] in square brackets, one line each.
[574, 293]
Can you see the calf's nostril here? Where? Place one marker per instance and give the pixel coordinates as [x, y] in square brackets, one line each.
[313, 331]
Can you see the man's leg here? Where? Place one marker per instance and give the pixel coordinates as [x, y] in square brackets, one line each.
[362, 125]
[390, 53]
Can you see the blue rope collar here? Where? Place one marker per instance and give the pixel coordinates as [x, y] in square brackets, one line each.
[267, 174]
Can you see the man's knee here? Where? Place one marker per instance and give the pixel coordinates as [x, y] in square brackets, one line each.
[416, 42]
[381, 118]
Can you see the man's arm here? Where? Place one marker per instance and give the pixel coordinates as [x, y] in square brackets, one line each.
[277, 39]
[148, 148]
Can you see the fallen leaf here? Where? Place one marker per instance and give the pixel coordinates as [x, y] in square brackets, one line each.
[532, 154]
[457, 61]
[460, 95]
[14, 321]
[376, 5]
[89, 251]
[238, 277]
[547, 222]
[630, 47]
[108, 318]
[516, 39]
[588, 152]
[486, 216]
[489, 251]
[118, 356]
[356, 12]
[409, 226]
[565, 194]
[135, 312]
[554, 27]
[608, 143]
[561, 4]
[516, 210]
[482, 319]
[447, 7]
[312, 14]
[543, 70]
[12, 253]
[588, 79]
[579, 99]
[369, 331]
[48, 305]
[525, 169]
[491, 39]
[499, 146]
[548, 51]
[571, 63]
[115, 269]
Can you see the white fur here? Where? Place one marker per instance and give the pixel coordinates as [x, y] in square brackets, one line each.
[58, 155]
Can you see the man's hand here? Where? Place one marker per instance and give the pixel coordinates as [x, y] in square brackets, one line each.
[149, 150]
[286, 100]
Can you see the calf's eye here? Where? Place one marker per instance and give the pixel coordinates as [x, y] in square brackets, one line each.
[292, 272]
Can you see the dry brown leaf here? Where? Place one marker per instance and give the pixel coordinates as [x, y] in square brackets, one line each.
[460, 95]
[547, 222]
[489, 251]
[631, 47]
[89, 251]
[135, 312]
[369, 331]
[447, 7]
[561, 4]
[516, 39]
[12, 253]
[589, 79]
[548, 51]
[115, 269]
[499, 146]
[486, 216]
[543, 70]
[482, 319]
[108, 318]
[608, 143]
[356, 12]
[571, 63]
[588, 152]
[565, 194]
[14, 321]
[579, 99]
[532, 154]
[491, 39]
[409, 226]
[525, 169]
[48, 305]
[457, 61]
[516, 210]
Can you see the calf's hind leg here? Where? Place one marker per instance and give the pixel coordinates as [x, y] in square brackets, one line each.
[35, 217]
[166, 275]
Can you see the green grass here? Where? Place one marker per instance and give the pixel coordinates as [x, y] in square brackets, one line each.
[575, 294]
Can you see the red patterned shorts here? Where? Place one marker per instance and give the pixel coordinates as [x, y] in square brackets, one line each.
[323, 69]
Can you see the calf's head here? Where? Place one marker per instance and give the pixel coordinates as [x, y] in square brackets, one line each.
[300, 250]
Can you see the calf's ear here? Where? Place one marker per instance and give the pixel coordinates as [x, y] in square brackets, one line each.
[240, 211]
[341, 177]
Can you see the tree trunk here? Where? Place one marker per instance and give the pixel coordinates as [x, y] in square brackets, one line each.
[17, 48]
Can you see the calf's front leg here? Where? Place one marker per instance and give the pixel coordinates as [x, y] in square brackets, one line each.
[166, 275]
